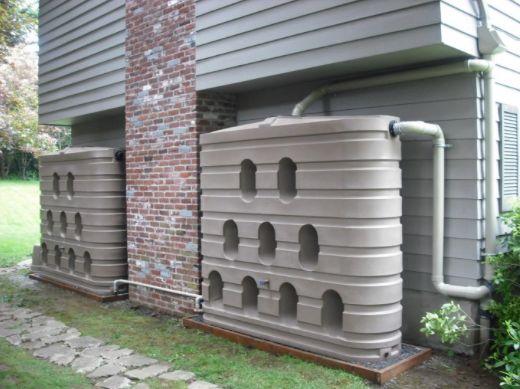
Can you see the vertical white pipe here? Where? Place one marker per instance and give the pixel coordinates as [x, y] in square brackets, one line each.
[490, 138]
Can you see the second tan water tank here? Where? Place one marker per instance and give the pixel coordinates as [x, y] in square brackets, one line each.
[301, 233]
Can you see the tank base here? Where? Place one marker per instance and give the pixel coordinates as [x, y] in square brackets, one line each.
[376, 372]
[93, 296]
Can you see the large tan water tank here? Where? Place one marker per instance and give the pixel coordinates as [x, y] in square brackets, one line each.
[301, 233]
[83, 219]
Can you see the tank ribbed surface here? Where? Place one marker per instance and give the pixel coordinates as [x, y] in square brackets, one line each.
[83, 219]
[301, 233]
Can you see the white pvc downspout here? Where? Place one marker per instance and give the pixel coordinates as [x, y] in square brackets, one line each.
[439, 144]
[473, 65]
[198, 298]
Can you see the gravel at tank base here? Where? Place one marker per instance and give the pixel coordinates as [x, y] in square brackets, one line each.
[406, 352]
[104, 364]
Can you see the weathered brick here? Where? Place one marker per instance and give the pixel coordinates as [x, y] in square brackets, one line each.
[164, 117]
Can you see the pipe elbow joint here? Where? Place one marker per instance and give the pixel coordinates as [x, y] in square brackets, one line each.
[466, 292]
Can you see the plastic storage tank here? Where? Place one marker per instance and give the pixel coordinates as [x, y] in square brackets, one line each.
[83, 229]
[301, 233]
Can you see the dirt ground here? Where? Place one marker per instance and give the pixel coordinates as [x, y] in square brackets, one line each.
[444, 372]
[438, 372]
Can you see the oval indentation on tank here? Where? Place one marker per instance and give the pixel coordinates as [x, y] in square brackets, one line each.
[72, 260]
[79, 226]
[249, 295]
[63, 224]
[57, 256]
[87, 263]
[49, 223]
[231, 240]
[267, 243]
[332, 313]
[287, 179]
[215, 287]
[70, 185]
[45, 254]
[288, 303]
[56, 185]
[248, 180]
[309, 247]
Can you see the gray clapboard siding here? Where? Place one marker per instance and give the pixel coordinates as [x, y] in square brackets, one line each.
[81, 59]
[108, 131]
[239, 43]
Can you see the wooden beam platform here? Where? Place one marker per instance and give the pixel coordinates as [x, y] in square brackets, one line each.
[93, 296]
[379, 376]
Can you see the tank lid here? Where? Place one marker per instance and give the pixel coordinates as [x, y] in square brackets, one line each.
[298, 126]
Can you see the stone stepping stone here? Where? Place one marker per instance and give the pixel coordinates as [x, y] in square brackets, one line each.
[63, 359]
[41, 320]
[98, 351]
[202, 385]
[135, 360]
[87, 364]
[178, 375]
[55, 349]
[5, 332]
[42, 332]
[37, 344]
[24, 313]
[84, 342]
[14, 340]
[148, 371]
[114, 355]
[107, 370]
[115, 382]
[71, 333]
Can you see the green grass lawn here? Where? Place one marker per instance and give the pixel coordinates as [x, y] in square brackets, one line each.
[19, 220]
[211, 358]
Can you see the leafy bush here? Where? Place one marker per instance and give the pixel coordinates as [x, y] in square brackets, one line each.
[505, 306]
[449, 323]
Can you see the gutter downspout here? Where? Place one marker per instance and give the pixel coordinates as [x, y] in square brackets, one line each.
[439, 144]
[489, 44]
[198, 298]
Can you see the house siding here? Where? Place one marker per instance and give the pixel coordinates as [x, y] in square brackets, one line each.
[452, 102]
[81, 60]
[243, 41]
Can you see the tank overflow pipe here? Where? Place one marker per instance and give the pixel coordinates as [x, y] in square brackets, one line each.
[468, 66]
[197, 297]
[435, 132]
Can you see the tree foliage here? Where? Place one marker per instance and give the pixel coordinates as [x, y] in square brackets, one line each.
[21, 139]
[18, 19]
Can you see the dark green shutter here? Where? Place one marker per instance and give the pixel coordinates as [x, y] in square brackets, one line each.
[509, 150]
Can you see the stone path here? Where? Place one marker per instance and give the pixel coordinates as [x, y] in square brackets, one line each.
[107, 366]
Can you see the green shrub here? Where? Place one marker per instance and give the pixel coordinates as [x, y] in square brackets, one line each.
[449, 323]
[505, 306]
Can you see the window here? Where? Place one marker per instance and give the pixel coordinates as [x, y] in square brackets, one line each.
[509, 144]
